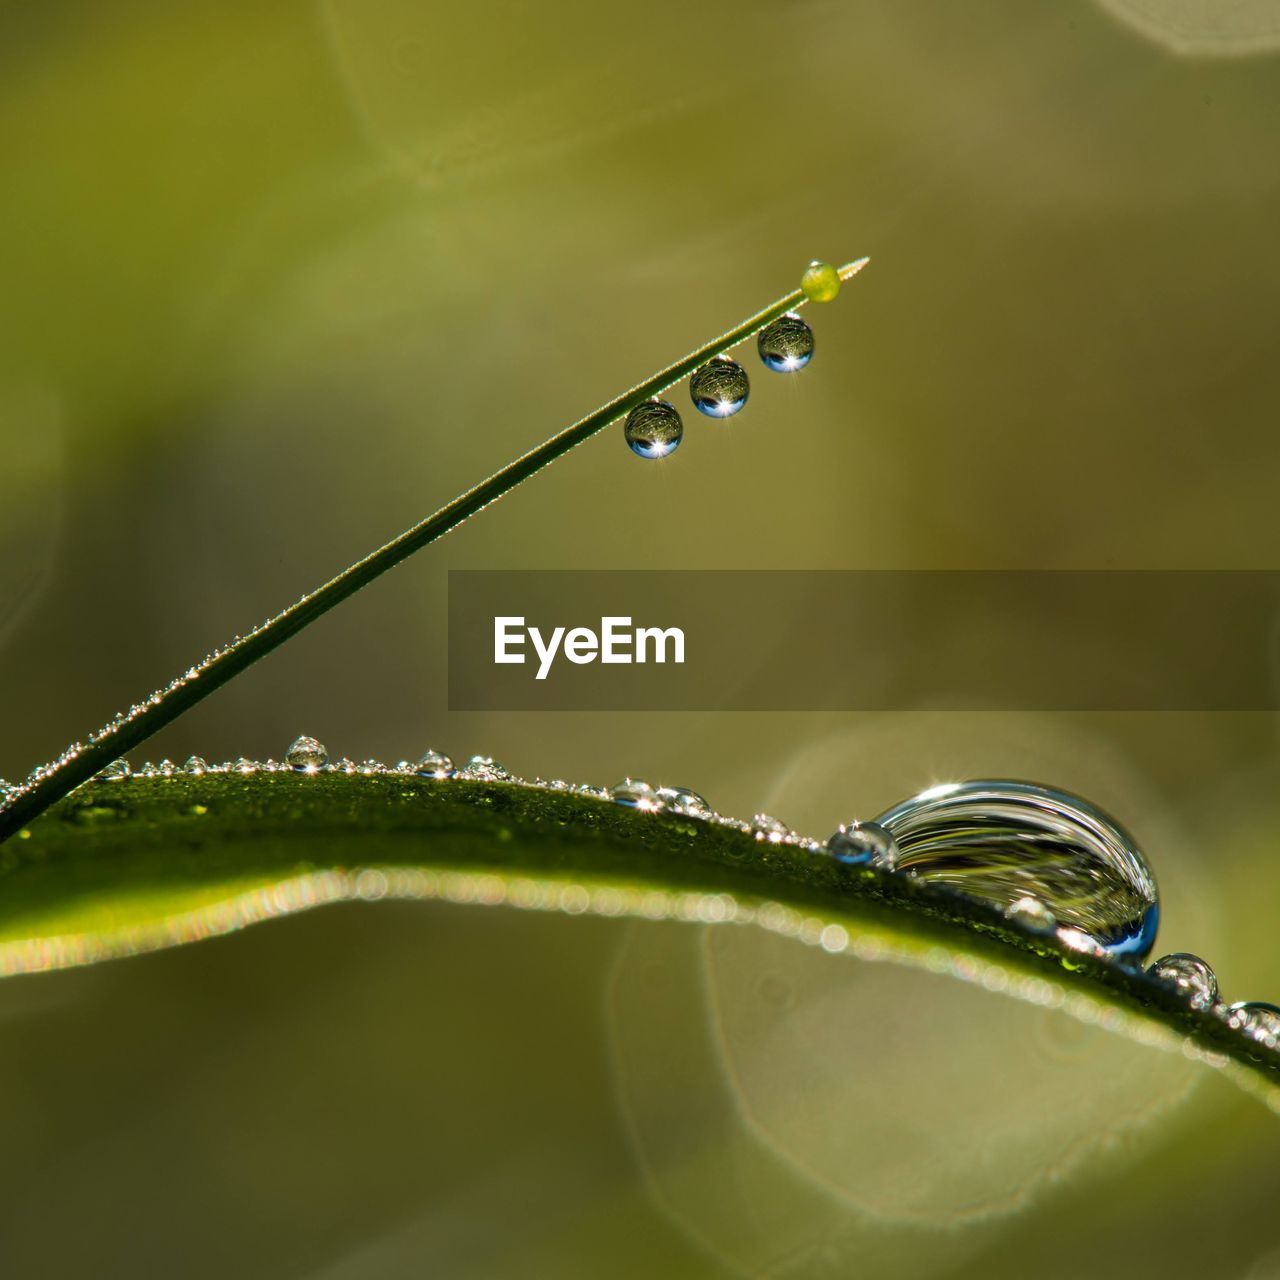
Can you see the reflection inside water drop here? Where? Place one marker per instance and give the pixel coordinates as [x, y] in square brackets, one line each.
[1192, 978]
[653, 429]
[306, 755]
[999, 842]
[1259, 1020]
[863, 844]
[434, 764]
[1031, 913]
[720, 389]
[786, 345]
[682, 800]
[635, 794]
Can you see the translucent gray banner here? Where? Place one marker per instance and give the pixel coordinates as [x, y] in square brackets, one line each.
[783, 640]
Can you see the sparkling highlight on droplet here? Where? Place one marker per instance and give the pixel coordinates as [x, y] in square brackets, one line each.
[863, 844]
[1191, 976]
[306, 755]
[786, 345]
[653, 429]
[720, 388]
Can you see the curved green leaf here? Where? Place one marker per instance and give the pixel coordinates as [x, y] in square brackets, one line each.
[144, 862]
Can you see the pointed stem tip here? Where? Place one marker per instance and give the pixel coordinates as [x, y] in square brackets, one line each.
[851, 269]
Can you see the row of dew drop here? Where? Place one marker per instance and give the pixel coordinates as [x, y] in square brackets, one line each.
[719, 389]
[858, 844]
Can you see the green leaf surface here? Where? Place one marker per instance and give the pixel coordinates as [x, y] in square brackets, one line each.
[131, 865]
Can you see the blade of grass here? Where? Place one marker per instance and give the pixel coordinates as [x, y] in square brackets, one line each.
[81, 760]
[145, 862]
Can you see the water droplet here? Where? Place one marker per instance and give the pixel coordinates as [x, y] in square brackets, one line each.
[195, 766]
[116, 770]
[1258, 1020]
[820, 282]
[862, 844]
[1194, 980]
[166, 768]
[654, 429]
[432, 764]
[766, 827]
[1031, 913]
[245, 765]
[720, 389]
[485, 769]
[6, 790]
[636, 795]
[306, 755]
[1000, 841]
[370, 767]
[786, 345]
[682, 800]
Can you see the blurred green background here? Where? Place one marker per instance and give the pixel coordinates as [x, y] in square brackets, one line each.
[280, 278]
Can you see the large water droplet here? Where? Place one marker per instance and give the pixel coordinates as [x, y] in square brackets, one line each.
[635, 794]
[820, 282]
[654, 429]
[682, 800]
[1000, 841]
[434, 764]
[863, 844]
[786, 345]
[720, 389]
[116, 770]
[1194, 980]
[1259, 1020]
[306, 755]
[196, 766]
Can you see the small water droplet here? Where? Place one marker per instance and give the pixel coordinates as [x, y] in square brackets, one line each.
[1259, 1020]
[820, 282]
[1194, 980]
[434, 764]
[636, 794]
[860, 844]
[1031, 913]
[195, 766]
[720, 389]
[766, 827]
[116, 770]
[485, 769]
[166, 768]
[683, 801]
[654, 429]
[306, 755]
[7, 789]
[786, 345]
[369, 768]
[998, 841]
[245, 765]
